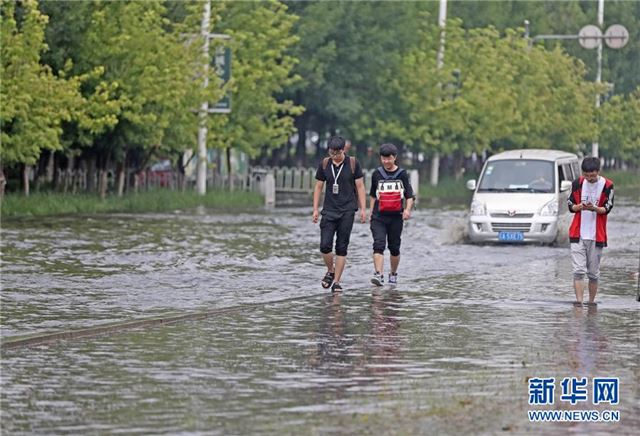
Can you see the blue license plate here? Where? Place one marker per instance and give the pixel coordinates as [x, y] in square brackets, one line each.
[510, 236]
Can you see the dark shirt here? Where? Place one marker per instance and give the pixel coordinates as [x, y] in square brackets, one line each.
[404, 177]
[346, 199]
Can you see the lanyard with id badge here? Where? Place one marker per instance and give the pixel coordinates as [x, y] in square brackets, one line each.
[336, 187]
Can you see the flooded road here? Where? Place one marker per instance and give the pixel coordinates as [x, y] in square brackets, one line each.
[449, 350]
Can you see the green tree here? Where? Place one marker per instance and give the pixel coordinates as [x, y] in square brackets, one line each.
[508, 95]
[565, 18]
[261, 70]
[35, 102]
[350, 54]
[620, 128]
[147, 87]
[554, 99]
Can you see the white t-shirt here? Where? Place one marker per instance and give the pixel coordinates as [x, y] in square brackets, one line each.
[591, 193]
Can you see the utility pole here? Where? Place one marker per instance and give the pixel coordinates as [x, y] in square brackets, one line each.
[442, 21]
[201, 173]
[223, 67]
[595, 145]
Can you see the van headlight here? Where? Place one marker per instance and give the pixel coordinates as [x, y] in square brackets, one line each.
[549, 209]
[478, 208]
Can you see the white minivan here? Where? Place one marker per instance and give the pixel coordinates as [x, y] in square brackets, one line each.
[521, 196]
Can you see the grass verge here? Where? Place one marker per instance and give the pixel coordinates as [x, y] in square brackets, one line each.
[42, 204]
[448, 191]
[625, 183]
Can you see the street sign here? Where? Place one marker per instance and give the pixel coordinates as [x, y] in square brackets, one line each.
[616, 36]
[590, 36]
[222, 64]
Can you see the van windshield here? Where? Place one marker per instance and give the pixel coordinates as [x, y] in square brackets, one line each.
[518, 175]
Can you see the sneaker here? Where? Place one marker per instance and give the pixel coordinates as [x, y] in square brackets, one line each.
[336, 287]
[393, 278]
[377, 279]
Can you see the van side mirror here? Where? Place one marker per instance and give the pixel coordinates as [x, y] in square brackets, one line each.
[565, 185]
[471, 184]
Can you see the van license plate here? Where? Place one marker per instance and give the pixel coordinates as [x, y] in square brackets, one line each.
[510, 236]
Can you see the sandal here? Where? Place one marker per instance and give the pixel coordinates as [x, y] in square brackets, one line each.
[336, 287]
[328, 279]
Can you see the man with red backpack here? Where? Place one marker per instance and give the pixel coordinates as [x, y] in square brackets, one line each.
[591, 200]
[390, 185]
[344, 193]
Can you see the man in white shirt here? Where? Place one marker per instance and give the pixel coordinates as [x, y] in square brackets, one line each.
[591, 200]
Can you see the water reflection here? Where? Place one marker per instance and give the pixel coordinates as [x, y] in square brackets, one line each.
[351, 345]
[384, 340]
[586, 342]
[332, 349]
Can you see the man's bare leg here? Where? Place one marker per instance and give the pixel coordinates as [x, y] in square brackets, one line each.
[378, 262]
[593, 290]
[341, 261]
[395, 261]
[578, 286]
[328, 261]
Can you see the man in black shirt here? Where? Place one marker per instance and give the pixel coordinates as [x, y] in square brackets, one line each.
[344, 194]
[389, 186]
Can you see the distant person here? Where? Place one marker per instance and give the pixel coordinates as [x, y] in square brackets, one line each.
[389, 186]
[343, 195]
[591, 200]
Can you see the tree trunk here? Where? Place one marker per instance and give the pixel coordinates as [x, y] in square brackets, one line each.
[458, 165]
[26, 171]
[301, 146]
[320, 153]
[435, 168]
[217, 173]
[229, 172]
[136, 182]
[121, 171]
[103, 184]
[91, 174]
[3, 182]
[287, 155]
[48, 175]
[69, 173]
[182, 180]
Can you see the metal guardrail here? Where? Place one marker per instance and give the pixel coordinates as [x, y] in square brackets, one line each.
[284, 186]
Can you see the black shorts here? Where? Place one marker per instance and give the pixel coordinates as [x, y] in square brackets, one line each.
[338, 225]
[386, 230]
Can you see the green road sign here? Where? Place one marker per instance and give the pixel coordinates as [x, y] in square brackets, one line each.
[222, 64]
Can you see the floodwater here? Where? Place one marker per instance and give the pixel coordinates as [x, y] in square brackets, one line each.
[449, 350]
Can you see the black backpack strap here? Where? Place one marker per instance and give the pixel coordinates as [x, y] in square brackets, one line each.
[386, 176]
[383, 173]
[352, 163]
